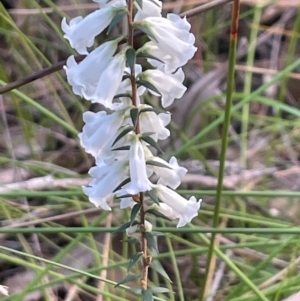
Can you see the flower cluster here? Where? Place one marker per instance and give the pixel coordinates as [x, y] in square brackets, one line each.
[123, 137]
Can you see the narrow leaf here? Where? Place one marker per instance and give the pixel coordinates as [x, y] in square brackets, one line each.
[151, 241]
[147, 295]
[128, 278]
[125, 147]
[116, 19]
[148, 56]
[146, 31]
[155, 110]
[122, 228]
[126, 181]
[157, 266]
[133, 260]
[131, 57]
[135, 210]
[123, 133]
[146, 134]
[153, 196]
[122, 95]
[140, 3]
[158, 164]
[134, 114]
[148, 85]
[152, 143]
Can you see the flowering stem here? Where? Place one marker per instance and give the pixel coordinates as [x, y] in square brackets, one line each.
[135, 101]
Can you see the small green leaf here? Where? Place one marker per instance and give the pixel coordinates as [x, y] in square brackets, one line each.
[155, 110]
[116, 19]
[148, 56]
[122, 95]
[135, 210]
[145, 30]
[157, 214]
[146, 134]
[122, 228]
[152, 143]
[134, 114]
[151, 241]
[125, 147]
[158, 164]
[126, 181]
[156, 265]
[133, 260]
[153, 196]
[147, 295]
[126, 130]
[128, 278]
[148, 85]
[131, 57]
[140, 3]
[159, 290]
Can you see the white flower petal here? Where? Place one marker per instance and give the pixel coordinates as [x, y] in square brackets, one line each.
[151, 8]
[102, 187]
[181, 208]
[138, 171]
[127, 202]
[84, 77]
[170, 176]
[81, 32]
[100, 131]
[172, 37]
[169, 85]
[151, 122]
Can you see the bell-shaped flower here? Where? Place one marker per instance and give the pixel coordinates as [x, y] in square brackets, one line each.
[106, 178]
[178, 207]
[150, 8]
[169, 85]
[100, 131]
[170, 174]
[171, 35]
[99, 75]
[151, 122]
[164, 61]
[81, 32]
[137, 165]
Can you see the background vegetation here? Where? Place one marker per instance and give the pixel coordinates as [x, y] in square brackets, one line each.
[54, 245]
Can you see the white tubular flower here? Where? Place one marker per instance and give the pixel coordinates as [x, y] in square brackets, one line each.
[137, 166]
[169, 85]
[99, 75]
[100, 131]
[151, 122]
[81, 32]
[169, 64]
[151, 8]
[172, 36]
[179, 207]
[170, 175]
[107, 177]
